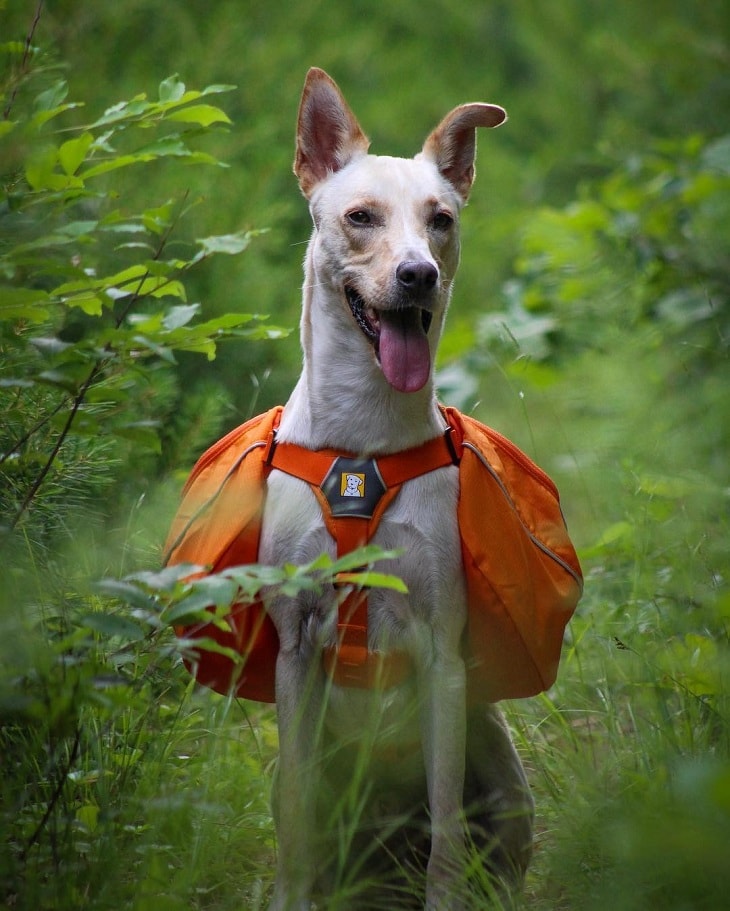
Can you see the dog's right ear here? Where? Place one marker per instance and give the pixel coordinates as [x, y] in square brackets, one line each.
[452, 145]
[328, 134]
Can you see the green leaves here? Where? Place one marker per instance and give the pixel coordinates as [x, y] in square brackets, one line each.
[87, 302]
[73, 152]
[179, 594]
[204, 115]
[174, 103]
[71, 164]
[42, 172]
[643, 245]
[23, 304]
[231, 244]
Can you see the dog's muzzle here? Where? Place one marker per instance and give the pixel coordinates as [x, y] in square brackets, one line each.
[399, 335]
[369, 319]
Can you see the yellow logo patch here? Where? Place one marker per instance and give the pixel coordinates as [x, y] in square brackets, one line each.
[352, 484]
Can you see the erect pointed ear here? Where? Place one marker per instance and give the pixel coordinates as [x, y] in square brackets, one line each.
[452, 145]
[328, 135]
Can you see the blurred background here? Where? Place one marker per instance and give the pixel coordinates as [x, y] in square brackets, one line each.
[590, 323]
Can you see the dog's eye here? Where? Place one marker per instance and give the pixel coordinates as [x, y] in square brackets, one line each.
[442, 221]
[359, 217]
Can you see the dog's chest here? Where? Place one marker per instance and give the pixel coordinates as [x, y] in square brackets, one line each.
[420, 523]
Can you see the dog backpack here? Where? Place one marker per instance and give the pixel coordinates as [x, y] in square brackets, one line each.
[523, 578]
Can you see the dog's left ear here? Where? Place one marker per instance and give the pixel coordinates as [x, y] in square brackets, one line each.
[452, 145]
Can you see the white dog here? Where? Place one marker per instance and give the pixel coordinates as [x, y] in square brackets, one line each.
[378, 276]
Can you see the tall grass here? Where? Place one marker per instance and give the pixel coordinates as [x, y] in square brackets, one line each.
[124, 786]
[630, 751]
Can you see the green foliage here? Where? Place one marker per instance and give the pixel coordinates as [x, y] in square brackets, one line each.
[93, 302]
[645, 246]
[618, 309]
[94, 316]
[174, 595]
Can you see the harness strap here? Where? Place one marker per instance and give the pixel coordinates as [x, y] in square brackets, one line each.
[312, 465]
[353, 494]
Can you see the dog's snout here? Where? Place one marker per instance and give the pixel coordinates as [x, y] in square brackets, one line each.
[417, 278]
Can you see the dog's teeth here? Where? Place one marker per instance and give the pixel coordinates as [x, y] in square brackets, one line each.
[372, 317]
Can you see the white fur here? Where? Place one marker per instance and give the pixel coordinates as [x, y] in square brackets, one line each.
[342, 400]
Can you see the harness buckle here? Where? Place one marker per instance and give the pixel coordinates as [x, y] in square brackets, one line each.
[270, 448]
[450, 445]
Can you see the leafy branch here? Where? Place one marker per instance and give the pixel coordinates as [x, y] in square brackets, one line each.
[59, 268]
[25, 61]
[77, 402]
[179, 594]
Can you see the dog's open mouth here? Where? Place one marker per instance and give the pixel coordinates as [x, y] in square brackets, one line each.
[399, 338]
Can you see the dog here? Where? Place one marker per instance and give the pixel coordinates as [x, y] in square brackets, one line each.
[379, 270]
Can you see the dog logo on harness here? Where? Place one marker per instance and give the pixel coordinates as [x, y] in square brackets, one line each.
[353, 487]
[352, 484]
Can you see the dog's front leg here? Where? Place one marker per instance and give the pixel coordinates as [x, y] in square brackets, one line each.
[298, 699]
[444, 743]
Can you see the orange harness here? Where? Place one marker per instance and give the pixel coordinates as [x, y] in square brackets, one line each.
[353, 494]
[522, 575]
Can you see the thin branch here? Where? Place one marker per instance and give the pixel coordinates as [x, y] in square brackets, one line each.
[25, 438]
[26, 58]
[83, 389]
[55, 797]
[43, 473]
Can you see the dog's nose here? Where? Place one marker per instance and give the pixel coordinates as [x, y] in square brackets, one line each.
[417, 277]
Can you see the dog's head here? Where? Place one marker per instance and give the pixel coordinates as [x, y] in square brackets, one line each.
[386, 245]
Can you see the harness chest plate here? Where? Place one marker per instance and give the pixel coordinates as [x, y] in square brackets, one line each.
[353, 487]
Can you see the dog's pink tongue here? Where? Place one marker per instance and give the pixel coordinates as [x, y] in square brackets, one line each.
[404, 353]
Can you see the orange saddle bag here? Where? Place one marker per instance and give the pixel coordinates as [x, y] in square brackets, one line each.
[522, 574]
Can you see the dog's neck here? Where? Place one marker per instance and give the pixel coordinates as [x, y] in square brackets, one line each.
[342, 399]
[375, 422]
